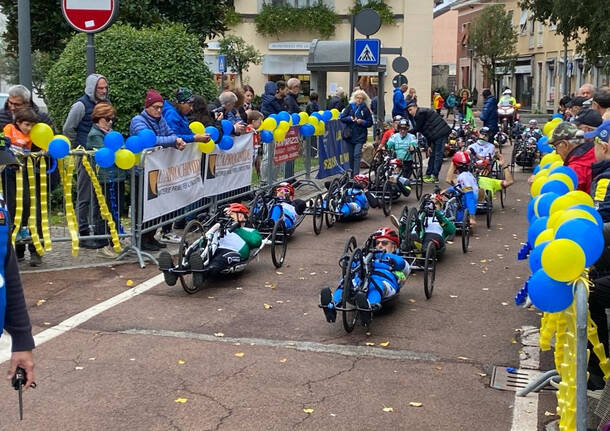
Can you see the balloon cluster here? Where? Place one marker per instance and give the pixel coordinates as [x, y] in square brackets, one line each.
[122, 153]
[225, 144]
[564, 236]
[275, 127]
[58, 146]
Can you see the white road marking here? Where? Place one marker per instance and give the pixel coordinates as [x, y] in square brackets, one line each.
[82, 317]
[525, 409]
[304, 346]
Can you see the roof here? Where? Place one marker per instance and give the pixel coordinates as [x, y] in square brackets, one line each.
[333, 56]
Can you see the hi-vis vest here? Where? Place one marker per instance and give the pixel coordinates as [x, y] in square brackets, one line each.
[4, 239]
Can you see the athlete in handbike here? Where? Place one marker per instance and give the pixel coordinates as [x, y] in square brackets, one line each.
[382, 281]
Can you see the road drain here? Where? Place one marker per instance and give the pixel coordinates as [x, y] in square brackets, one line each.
[515, 379]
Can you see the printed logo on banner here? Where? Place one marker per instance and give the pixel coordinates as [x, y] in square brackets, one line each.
[153, 176]
[288, 149]
[229, 170]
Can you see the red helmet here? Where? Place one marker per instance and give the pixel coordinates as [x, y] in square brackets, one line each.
[363, 180]
[238, 208]
[461, 158]
[396, 163]
[387, 233]
[287, 187]
[483, 163]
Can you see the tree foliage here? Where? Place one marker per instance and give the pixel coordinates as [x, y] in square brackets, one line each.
[586, 22]
[493, 39]
[164, 57]
[239, 54]
[383, 9]
[275, 20]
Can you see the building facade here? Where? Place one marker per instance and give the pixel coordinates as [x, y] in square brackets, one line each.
[287, 55]
[444, 49]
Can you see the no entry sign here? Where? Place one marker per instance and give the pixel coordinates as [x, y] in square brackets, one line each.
[90, 16]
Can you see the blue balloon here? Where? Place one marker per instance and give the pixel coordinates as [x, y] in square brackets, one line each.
[134, 144]
[227, 127]
[549, 295]
[557, 115]
[284, 116]
[148, 137]
[568, 171]
[327, 116]
[546, 149]
[555, 186]
[586, 234]
[307, 130]
[275, 117]
[544, 203]
[590, 210]
[317, 115]
[535, 228]
[535, 261]
[531, 215]
[213, 132]
[295, 119]
[266, 136]
[113, 141]
[536, 169]
[542, 141]
[226, 143]
[104, 157]
[58, 148]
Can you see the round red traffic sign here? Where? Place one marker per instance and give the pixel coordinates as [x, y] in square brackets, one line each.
[90, 16]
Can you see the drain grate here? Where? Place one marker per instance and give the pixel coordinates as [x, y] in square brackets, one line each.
[516, 380]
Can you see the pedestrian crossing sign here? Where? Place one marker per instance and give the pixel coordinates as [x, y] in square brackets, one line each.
[366, 52]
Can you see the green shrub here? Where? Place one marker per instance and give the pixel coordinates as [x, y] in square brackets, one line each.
[164, 57]
[276, 20]
[384, 10]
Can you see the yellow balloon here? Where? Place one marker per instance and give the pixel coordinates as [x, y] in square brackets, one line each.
[541, 173]
[320, 129]
[335, 113]
[269, 124]
[41, 134]
[124, 159]
[284, 125]
[548, 126]
[571, 215]
[545, 235]
[555, 165]
[321, 112]
[580, 198]
[206, 147]
[62, 137]
[553, 220]
[197, 128]
[304, 118]
[313, 121]
[537, 185]
[550, 158]
[563, 260]
[137, 158]
[279, 135]
[564, 179]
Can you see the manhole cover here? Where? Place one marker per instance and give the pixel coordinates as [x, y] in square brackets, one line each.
[515, 381]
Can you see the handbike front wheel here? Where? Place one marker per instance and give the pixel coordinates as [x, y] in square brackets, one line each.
[318, 215]
[350, 313]
[465, 230]
[429, 269]
[192, 232]
[279, 243]
[330, 209]
[488, 207]
[387, 198]
[418, 174]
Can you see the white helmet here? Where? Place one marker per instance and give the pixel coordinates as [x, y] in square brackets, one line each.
[507, 91]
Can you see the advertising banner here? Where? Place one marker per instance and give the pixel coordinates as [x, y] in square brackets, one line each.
[288, 149]
[332, 155]
[229, 170]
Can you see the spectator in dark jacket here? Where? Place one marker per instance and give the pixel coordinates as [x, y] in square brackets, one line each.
[400, 105]
[336, 102]
[294, 86]
[270, 104]
[312, 106]
[489, 114]
[20, 97]
[436, 131]
[357, 118]
[175, 114]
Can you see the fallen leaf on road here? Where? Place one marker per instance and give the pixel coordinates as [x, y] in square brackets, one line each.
[453, 296]
[279, 302]
[473, 263]
[301, 269]
[129, 283]
[449, 242]
[388, 409]
[301, 278]
[46, 323]
[132, 359]
[283, 360]
[79, 368]
[219, 309]
[368, 334]
[270, 286]
[384, 343]
[547, 413]
[486, 288]
[92, 359]
[267, 306]
[504, 303]
[370, 344]
[312, 273]
[414, 404]
[181, 362]
[308, 411]
[411, 300]
[219, 334]
[238, 288]
[180, 400]
[482, 374]
[279, 272]
[325, 272]
[240, 354]
[40, 302]
[483, 260]
[463, 358]
[518, 278]
[513, 341]
[438, 367]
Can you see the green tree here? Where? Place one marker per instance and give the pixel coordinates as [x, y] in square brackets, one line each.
[383, 9]
[239, 54]
[586, 22]
[164, 57]
[492, 39]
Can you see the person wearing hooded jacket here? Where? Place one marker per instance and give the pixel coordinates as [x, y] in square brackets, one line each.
[489, 114]
[76, 128]
[270, 104]
[175, 114]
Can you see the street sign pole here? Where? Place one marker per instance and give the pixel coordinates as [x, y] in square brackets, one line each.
[90, 54]
[25, 43]
[351, 56]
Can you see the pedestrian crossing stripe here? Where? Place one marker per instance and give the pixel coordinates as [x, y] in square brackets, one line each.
[366, 55]
[366, 52]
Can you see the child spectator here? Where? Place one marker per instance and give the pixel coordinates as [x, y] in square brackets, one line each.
[312, 105]
[19, 130]
[255, 118]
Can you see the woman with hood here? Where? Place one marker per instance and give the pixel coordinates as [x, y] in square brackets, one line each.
[270, 104]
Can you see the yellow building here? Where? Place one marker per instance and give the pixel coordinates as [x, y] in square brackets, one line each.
[287, 55]
[537, 79]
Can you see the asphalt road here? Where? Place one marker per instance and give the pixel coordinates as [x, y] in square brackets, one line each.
[222, 359]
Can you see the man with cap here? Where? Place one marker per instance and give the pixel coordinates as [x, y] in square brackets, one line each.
[13, 310]
[175, 114]
[575, 106]
[575, 152]
[588, 120]
[601, 102]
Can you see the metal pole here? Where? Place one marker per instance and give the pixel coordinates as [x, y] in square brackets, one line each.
[351, 55]
[307, 160]
[581, 356]
[222, 82]
[90, 54]
[565, 67]
[25, 43]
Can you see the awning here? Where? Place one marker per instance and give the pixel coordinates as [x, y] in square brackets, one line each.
[274, 64]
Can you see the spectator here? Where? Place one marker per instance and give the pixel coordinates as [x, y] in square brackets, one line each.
[312, 105]
[249, 97]
[228, 100]
[175, 114]
[200, 111]
[374, 102]
[293, 88]
[357, 118]
[151, 118]
[563, 107]
[255, 119]
[576, 153]
[465, 106]
[438, 102]
[76, 128]
[601, 102]
[489, 114]
[240, 110]
[18, 131]
[13, 308]
[411, 97]
[588, 120]
[400, 105]
[337, 102]
[112, 180]
[270, 103]
[575, 106]
[451, 104]
[587, 91]
[281, 95]
[436, 131]
[20, 97]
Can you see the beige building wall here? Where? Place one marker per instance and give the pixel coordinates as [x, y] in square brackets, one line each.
[444, 29]
[416, 43]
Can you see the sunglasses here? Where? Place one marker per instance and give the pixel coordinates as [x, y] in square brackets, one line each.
[383, 242]
[110, 119]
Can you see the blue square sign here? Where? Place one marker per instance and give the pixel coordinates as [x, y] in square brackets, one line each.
[366, 52]
[222, 63]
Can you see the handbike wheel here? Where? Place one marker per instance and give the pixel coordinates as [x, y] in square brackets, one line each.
[350, 314]
[387, 198]
[192, 232]
[418, 174]
[429, 269]
[410, 224]
[318, 215]
[488, 207]
[465, 230]
[330, 201]
[348, 250]
[279, 243]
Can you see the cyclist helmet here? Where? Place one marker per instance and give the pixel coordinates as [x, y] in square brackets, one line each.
[429, 208]
[483, 164]
[484, 131]
[403, 124]
[533, 123]
[387, 233]
[238, 208]
[286, 187]
[507, 91]
[397, 117]
[501, 138]
[396, 163]
[461, 158]
[362, 180]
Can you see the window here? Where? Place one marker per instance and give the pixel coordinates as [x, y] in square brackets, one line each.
[298, 3]
[465, 30]
[523, 21]
[532, 27]
[540, 38]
